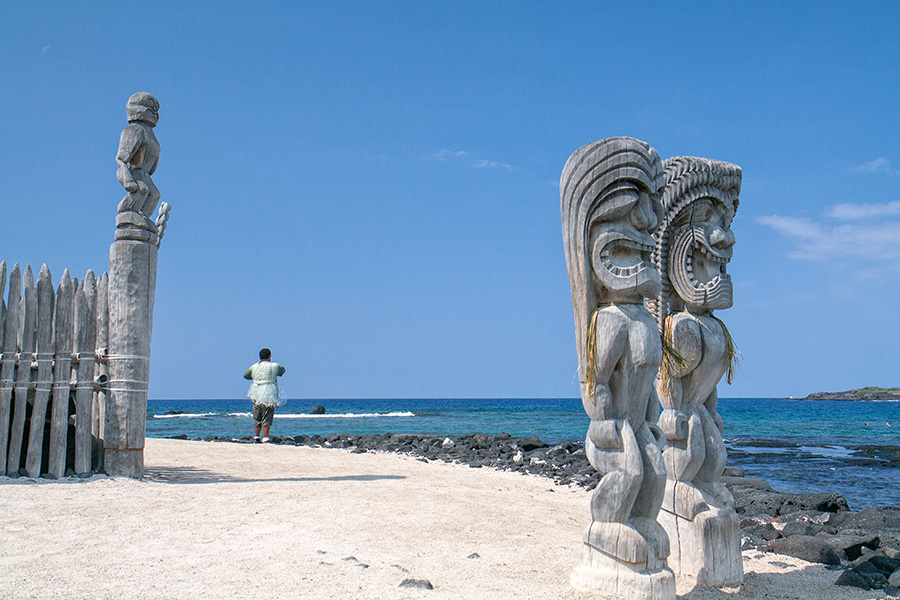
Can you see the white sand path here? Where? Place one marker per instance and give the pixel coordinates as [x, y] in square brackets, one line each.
[219, 520]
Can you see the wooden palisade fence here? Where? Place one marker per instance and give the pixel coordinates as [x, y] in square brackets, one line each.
[52, 372]
[75, 361]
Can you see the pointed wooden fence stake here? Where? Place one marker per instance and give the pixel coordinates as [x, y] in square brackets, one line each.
[44, 380]
[62, 374]
[8, 360]
[28, 320]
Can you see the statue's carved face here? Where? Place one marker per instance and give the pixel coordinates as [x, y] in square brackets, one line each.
[699, 253]
[621, 244]
[143, 107]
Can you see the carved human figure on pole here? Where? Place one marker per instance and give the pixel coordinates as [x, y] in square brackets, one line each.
[694, 247]
[138, 157]
[131, 291]
[609, 193]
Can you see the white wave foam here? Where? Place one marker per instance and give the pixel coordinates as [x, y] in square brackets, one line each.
[185, 415]
[345, 415]
[290, 415]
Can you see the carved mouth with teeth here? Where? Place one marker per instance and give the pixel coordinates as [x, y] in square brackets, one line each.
[625, 257]
[698, 271]
[623, 264]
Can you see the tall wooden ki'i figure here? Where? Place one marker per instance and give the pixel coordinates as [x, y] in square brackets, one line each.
[609, 195]
[132, 284]
[694, 246]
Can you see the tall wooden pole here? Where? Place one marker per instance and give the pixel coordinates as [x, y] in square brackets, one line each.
[132, 285]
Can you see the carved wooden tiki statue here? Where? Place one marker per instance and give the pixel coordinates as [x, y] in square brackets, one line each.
[609, 194]
[694, 246]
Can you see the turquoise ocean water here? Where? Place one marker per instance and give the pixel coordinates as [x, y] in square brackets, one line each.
[852, 448]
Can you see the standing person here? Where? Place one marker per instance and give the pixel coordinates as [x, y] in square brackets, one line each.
[264, 392]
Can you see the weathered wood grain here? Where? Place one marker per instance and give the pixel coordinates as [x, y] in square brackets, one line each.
[44, 380]
[101, 369]
[132, 280]
[62, 374]
[85, 336]
[2, 301]
[8, 359]
[28, 320]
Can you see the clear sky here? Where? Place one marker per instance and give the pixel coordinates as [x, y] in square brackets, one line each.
[371, 188]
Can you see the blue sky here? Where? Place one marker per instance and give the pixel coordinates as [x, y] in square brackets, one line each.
[371, 189]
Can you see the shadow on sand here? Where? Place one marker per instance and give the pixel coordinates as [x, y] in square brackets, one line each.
[786, 581]
[191, 475]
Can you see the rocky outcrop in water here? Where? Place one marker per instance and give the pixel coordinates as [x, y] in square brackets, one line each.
[870, 394]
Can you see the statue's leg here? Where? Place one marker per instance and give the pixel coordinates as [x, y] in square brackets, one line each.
[709, 476]
[621, 470]
[683, 458]
[703, 528]
[624, 557]
[653, 484]
[149, 204]
[134, 201]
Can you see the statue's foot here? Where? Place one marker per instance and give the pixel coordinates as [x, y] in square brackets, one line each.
[623, 560]
[684, 499]
[716, 494]
[644, 542]
[705, 551]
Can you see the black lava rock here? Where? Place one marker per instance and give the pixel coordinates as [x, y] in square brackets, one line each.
[851, 578]
[806, 548]
[318, 409]
[884, 564]
[752, 501]
[878, 518]
[532, 442]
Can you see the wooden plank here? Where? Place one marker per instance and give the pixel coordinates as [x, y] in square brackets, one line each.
[2, 301]
[8, 359]
[21, 325]
[23, 374]
[85, 336]
[62, 374]
[101, 369]
[44, 380]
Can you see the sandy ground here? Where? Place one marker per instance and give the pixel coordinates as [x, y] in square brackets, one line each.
[214, 520]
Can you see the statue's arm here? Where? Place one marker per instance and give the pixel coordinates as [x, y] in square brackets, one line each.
[130, 142]
[611, 339]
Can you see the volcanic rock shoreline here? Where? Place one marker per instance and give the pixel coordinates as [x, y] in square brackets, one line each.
[866, 394]
[863, 545]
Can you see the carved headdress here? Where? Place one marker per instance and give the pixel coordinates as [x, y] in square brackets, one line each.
[688, 181]
[143, 107]
[590, 193]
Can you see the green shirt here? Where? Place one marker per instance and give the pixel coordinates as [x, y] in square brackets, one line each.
[248, 374]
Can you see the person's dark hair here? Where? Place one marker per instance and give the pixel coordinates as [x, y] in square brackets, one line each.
[265, 354]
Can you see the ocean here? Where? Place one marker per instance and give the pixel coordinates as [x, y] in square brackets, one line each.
[852, 448]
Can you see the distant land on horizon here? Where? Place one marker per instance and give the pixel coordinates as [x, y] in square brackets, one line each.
[866, 394]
